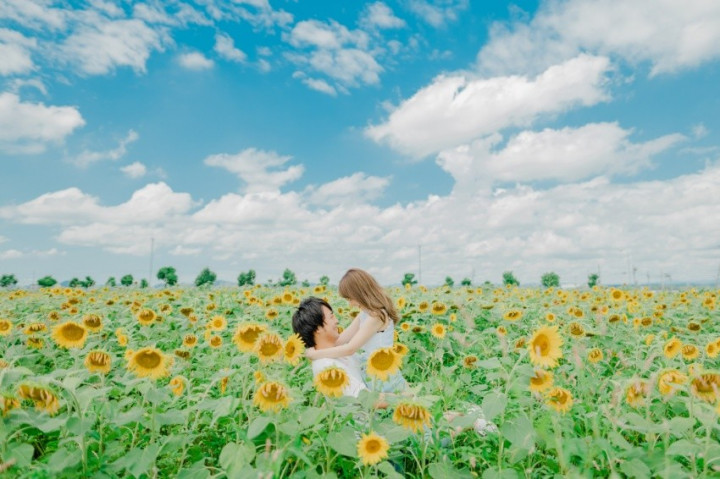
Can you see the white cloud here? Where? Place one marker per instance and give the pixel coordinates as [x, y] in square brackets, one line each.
[88, 157]
[253, 167]
[180, 250]
[320, 85]
[98, 45]
[670, 35]
[438, 12]
[225, 47]
[699, 131]
[332, 35]
[134, 170]
[28, 127]
[564, 155]
[15, 52]
[458, 108]
[379, 15]
[195, 61]
[181, 14]
[33, 14]
[18, 83]
[355, 188]
[3, 239]
[11, 254]
[17, 254]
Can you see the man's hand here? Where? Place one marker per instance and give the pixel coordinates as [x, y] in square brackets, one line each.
[311, 354]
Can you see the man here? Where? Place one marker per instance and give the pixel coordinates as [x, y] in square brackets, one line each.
[317, 326]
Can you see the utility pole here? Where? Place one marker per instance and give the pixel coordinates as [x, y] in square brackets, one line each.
[420, 264]
[152, 247]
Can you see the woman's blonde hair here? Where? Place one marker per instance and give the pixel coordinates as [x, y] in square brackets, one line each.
[361, 287]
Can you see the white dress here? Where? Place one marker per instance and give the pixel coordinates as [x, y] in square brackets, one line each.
[381, 339]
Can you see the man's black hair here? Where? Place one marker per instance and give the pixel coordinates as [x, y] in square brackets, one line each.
[308, 318]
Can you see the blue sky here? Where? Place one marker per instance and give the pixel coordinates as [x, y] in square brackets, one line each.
[575, 136]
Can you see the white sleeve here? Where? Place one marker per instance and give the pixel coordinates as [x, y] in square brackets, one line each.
[356, 385]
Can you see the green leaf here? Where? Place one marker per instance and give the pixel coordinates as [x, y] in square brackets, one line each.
[137, 461]
[683, 447]
[678, 426]
[493, 473]
[22, 453]
[521, 434]
[173, 416]
[234, 457]
[491, 363]
[389, 471]
[635, 468]
[493, 404]
[344, 442]
[62, 459]
[311, 416]
[392, 432]
[222, 408]
[258, 426]
[291, 428]
[48, 425]
[133, 415]
[439, 470]
[196, 471]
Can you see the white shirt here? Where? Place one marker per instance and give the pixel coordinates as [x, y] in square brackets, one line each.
[350, 365]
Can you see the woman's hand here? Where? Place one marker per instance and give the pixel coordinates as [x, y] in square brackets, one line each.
[311, 354]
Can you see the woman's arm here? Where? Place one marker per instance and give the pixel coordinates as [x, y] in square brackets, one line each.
[348, 333]
[365, 332]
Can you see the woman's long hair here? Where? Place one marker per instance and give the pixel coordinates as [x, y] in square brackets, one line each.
[361, 287]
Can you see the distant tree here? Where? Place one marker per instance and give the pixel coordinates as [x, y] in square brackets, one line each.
[449, 281]
[487, 284]
[509, 279]
[324, 280]
[47, 282]
[466, 282]
[74, 283]
[205, 277]
[247, 278]
[305, 283]
[550, 280]
[127, 280]
[288, 278]
[8, 280]
[87, 282]
[167, 275]
[144, 283]
[593, 280]
[111, 282]
[409, 278]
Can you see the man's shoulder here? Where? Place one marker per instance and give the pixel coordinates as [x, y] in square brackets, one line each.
[319, 365]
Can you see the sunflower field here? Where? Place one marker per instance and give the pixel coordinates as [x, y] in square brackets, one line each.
[200, 383]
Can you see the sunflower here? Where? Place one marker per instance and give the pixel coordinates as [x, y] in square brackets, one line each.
[332, 381]
[469, 361]
[672, 348]
[400, 303]
[689, 352]
[287, 297]
[92, 322]
[501, 331]
[694, 327]
[7, 404]
[712, 349]
[177, 384]
[319, 289]
[210, 307]
[438, 308]
[520, 343]
[246, 336]
[694, 369]
[550, 317]
[576, 330]
[148, 362]
[405, 326]
[269, 347]
[614, 318]
[705, 386]
[418, 328]
[271, 313]
[595, 355]
[512, 315]
[5, 327]
[649, 339]
[541, 380]
[53, 315]
[617, 295]
[215, 341]
[438, 330]
[70, 335]
[544, 347]
[400, 349]
[271, 396]
[190, 340]
[35, 343]
[186, 311]
[259, 377]
[192, 317]
[382, 363]
[217, 323]
[44, 398]
[34, 328]
[146, 317]
[636, 393]
[669, 380]
[412, 416]
[372, 448]
[293, 349]
[559, 399]
[98, 362]
[423, 306]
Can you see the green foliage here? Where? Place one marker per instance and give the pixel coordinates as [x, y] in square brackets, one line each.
[509, 279]
[409, 278]
[288, 278]
[205, 277]
[305, 283]
[550, 280]
[247, 279]
[324, 280]
[87, 282]
[47, 282]
[127, 280]
[593, 279]
[466, 282]
[449, 281]
[8, 280]
[74, 283]
[167, 275]
[144, 283]
[111, 282]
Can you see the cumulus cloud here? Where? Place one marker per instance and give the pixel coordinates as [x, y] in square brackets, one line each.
[15, 52]
[458, 108]
[134, 170]
[34, 15]
[669, 35]
[320, 85]
[379, 15]
[28, 127]
[355, 188]
[195, 61]
[88, 157]
[438, 13]
[260, 170]
[563, 155]
[17, 254]
[225, 47]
